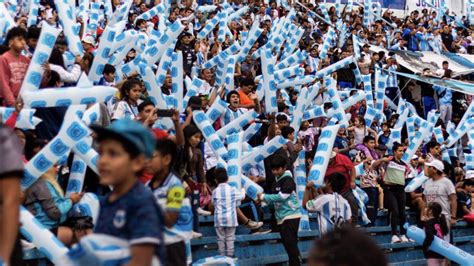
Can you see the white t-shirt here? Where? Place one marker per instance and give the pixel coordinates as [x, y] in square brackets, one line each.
[439, 191]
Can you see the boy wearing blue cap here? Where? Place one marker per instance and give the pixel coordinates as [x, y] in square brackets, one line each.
[130, 211]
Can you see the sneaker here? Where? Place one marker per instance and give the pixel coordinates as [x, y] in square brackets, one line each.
[405, 239]
[203, 212]
[196, 235]
[253, 225]
[261, 231]
[396, 239]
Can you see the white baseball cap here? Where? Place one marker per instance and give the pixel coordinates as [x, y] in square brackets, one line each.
[89, 39]
[469, 174]
[436, 164]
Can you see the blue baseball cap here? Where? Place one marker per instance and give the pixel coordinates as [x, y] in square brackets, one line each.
[129, 131]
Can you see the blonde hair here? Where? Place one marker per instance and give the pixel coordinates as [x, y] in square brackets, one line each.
[50, 176]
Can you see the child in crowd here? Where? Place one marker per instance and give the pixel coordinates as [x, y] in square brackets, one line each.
[287, 209]
[170, 195]
[130, 211]
[225, 199]
[435, 226]
[332, 209]
[128, 106]
[464, 198]
[307, 135]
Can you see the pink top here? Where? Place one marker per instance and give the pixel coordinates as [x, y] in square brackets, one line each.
[12, 72]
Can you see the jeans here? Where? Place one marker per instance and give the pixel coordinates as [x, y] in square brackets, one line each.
[429, 104]
[289, 238]
[395, 202]
[225, 240]
[372, 204]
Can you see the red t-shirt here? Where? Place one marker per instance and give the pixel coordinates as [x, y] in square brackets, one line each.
[341, 165]
[12, 72]
[160, 134]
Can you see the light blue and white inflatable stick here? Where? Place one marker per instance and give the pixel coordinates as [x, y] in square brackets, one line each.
[76, 178]
[313, 91]
[221, 69]
[283, 74]
[234, 169]
[177, 78]
[316, 111]
[84, 150]
[158, 9]
[6, 20]
[357, 97]
[296, 81]
[293, 43]
[440, 246]
[42, 238]
[416, 182]
[210, 25]
[122, 39]
[154, 52]
[25, 120]
[164, 66]
[369, 97]
[251, 131]
[361, 198]
[235, 14]
[221, 33]
[103, 53]
[380, 85]
[132, 37]
[460, 131]
[151, 85]
[334, 67]
[192, 87]
[83, 11]
[237, 124]
[470, 11]
[121, 13]
[327, 41]
[253, 35]
[88, 206]
[420, 135]
[206, 8]
[438, 133]
[68, 20]
[323, 153]
[204, 124]
[294, 59]
[230, 72]
[369, 116]
[33, 13]
[260, 153]
[366, 18]
[298, 113]
[72, 130]
[55, 97]
[269, 86]
[216, 110]
[300, 179]
[35, 71]
[469, 160]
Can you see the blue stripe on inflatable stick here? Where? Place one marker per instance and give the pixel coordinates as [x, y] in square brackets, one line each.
[234, 169]
[86, 153]
[253, 35]
[68, 20]
[216, 110]
[41, 237]
[177, 75]
[361, 198]
[416, 182]
[164, 66]
[251, 131]
[204, 124]
[269, 85]
[121, 13]
[154, 52]
[334, 67]
[322, 155]
[380, 86]
[234, 48]
[260, 153]
[210, 25]
[158, 9]
[460, 131]
[76, 177]
[123, 40]
[440, 246]
[294, 40]
[34, 74]
[25, 119]
[294, 59]
[6, 20]
[151, 85]
[193, 88]
[33, 13]
[357, 97]
[314, 112]
[298, 113]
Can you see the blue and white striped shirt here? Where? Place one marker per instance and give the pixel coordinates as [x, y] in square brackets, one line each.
[392, 80]
[230, 115]
[225, 199]
[332, 210]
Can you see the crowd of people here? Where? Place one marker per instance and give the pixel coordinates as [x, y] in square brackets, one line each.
[163, 180]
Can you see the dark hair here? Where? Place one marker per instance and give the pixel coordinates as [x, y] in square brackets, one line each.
[15, 32]
[195, 101]
[220, 174]
[167, 147]
[53, 80]
[33, 33]
[337, 181]
[227, 97]
[128, 86]
[396, 145]
[57, 58]
[144, 104]
[247, 82]
[277, 161]
[139, 21]
[436, 209]
[108, 69]
[190, 131]
[468, 182]
[286, 131]
[430, 145]
[445, 62]
[359, 249]
[282, 107]
[368, 138]
[281, 117]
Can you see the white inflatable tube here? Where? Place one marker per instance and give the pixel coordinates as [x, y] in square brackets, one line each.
[321, 157]
[234, 169]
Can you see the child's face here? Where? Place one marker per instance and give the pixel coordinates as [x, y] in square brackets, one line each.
[283, 123]
[135, 93]
[115, 165]
[158, 163]
[470, 189]
[17, 43]
[385, 128]
[195, 139]
[109, 77]
[278, 171]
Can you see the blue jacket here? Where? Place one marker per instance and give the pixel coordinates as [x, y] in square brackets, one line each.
[45, 203]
